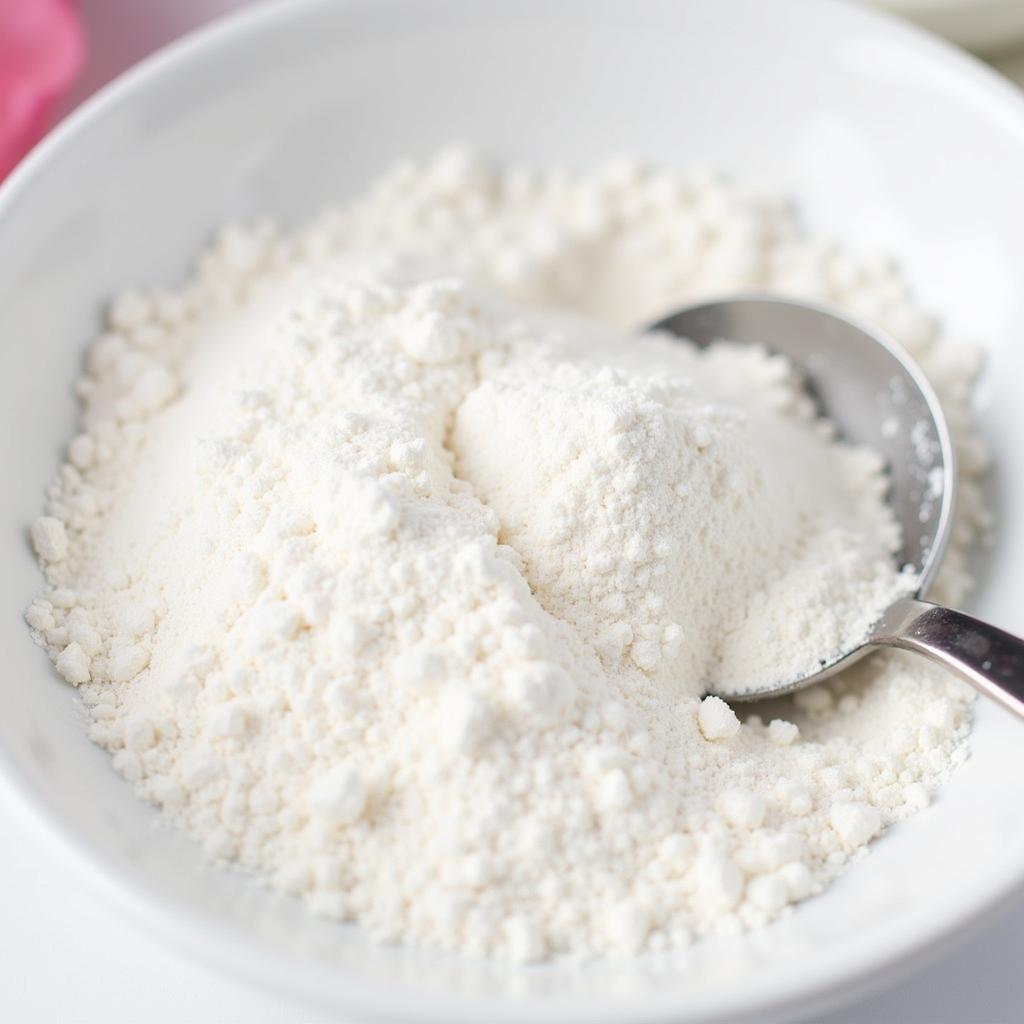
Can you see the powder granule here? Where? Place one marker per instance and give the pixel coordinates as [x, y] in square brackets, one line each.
[312, 623]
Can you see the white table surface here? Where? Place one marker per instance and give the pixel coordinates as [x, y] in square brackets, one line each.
[65, 956]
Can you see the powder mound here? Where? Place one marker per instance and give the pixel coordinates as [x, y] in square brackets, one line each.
[392, 568]
[714, 545]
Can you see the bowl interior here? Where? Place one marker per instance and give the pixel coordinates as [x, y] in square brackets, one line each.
[891, 142]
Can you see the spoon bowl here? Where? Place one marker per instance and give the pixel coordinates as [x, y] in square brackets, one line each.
[878, 398]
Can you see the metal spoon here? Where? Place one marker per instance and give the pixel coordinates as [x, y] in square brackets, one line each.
[877, 397]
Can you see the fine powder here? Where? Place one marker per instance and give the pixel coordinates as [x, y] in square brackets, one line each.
[392, 564]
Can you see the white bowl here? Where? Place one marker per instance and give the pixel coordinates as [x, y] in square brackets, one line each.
[891, 141]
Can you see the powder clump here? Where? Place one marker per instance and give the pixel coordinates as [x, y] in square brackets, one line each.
[684, 511]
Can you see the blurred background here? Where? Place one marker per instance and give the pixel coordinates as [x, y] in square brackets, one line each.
[989, 27]
[55, 53]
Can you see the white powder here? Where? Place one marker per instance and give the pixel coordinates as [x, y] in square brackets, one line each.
[712, 545]
[396, 588]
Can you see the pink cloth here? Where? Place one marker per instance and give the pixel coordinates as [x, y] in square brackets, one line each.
[42, 48]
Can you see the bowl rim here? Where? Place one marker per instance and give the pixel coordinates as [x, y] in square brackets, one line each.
[834, 985]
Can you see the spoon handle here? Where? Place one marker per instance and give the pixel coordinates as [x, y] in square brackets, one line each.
[991, 660]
